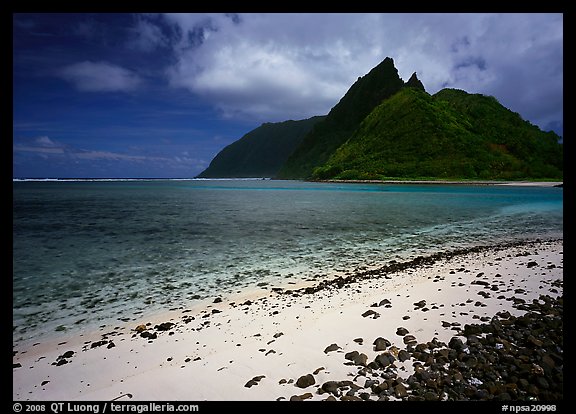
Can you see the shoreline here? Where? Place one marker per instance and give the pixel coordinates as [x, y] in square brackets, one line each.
[453, 182]
[398, 181]
[257, 346]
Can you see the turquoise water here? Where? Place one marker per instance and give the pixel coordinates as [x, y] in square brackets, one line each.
[93, 252]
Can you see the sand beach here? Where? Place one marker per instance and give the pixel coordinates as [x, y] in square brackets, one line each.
[358, 336]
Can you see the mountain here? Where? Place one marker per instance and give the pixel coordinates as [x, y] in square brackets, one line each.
[450, 135]
[326, 136]
[386, 128]
[261, 152]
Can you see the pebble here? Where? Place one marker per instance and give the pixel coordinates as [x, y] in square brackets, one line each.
[505, 358]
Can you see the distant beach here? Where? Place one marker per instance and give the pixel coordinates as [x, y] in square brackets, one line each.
[412, 330]
[455, 182]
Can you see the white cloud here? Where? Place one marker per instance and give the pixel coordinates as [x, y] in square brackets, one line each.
[266, 66]
[280, 66]
[90, 76]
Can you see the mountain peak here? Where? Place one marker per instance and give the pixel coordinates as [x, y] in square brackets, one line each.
[414, 82]
[386, 128]
[364, 95]
[387, 62]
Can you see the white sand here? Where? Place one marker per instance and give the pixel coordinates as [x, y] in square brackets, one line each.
[456, 182]
[282, 337]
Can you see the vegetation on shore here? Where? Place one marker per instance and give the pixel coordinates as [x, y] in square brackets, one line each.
[261, 152]
[450, 135]
[386, 129]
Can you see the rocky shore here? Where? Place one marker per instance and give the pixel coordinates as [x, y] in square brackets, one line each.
[509, 358]
[484, 323]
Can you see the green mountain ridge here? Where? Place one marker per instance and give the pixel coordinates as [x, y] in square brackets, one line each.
[385, 128]
[367, 92]
[450, 135]
[261, 152]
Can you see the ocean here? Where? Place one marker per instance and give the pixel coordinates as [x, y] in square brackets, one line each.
[92, 253]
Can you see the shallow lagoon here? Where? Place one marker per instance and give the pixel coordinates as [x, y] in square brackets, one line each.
[93, 252]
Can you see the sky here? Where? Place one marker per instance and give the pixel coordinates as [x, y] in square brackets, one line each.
[158, 95]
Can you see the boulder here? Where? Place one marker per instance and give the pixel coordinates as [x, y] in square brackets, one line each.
[305, 381]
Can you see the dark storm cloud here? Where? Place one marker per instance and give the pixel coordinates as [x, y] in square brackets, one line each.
[271, 67]
[283, 66]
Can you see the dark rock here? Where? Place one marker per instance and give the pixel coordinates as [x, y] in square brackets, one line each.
[534, 342]
[254, 381]
[331, 387]
[482, 394]
[305, 381]
[403, 355]
[472, 329]
[371, 313]
[381, 388]
[251, 383]
[472, 340]
[401, 331]
[456, 343]
[548, 362]
[380, 344]
[351, 355]
[331, 348]
[360, 359]
[542, 383]
[409, 339]
[503, 396]
[400, 391]
[370, 383]
[148, 335]
[504, 358]
[217, 300]
[301, 397]
[385, 359]
[140, 328]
